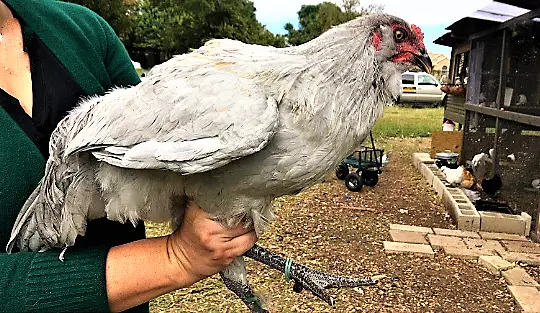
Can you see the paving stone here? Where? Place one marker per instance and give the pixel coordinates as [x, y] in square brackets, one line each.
[455, 233]
[495, 264]
[517, 276]
[527, 258]
[521, 246]
[423, 230]
[481, 245]
[465, 253]
[502, 236]
[527, 298]
[407, 236]
[414, 248]
[438, 241]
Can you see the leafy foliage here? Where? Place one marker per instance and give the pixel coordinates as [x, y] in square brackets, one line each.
[316, 19]
[172, 25]
[117, 13]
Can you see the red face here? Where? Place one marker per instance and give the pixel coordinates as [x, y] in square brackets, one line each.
[410, 46]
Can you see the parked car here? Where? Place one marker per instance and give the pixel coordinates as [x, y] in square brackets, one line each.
[420, 88]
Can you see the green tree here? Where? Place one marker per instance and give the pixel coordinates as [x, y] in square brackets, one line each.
[316, 19]
[179, 25]
[118, 13]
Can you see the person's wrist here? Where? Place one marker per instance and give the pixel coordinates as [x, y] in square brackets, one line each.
[180, 273]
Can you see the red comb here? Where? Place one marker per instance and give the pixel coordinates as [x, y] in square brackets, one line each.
[419, 33]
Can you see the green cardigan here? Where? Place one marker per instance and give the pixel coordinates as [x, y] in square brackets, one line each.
[89, 49]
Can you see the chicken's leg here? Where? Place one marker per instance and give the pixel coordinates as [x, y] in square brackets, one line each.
[235, 278]
[305, 277]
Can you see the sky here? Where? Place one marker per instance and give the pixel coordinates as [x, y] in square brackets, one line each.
[432, 16]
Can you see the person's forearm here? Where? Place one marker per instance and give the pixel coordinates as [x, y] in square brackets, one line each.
[142, 270]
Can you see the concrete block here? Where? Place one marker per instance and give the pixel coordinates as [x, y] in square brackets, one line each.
[438, 241]
[418, 229]
[463, 213]
[456, 233]
[502, 236]
[522, 246]
[414, 248]
[527, 258]
[517, 276]
[407, 236]
[489, 246]
[502, 223]
[527, 298]
[528, 221]
[495, 264]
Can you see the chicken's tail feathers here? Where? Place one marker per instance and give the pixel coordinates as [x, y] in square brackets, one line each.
[25, 225]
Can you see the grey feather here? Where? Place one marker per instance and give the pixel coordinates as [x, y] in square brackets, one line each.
[231, 126]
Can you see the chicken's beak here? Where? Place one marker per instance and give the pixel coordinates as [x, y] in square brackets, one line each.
[423, 61]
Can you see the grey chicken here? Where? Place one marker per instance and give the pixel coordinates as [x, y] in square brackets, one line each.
[229, 126]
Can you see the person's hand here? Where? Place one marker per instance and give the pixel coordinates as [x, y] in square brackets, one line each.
[203, 247]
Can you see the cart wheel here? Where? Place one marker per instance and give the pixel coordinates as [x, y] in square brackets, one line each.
[353, 182]
[342, 171]
[370, 178]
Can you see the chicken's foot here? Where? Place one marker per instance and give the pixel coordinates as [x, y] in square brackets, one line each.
[245, 293]
[307, 278]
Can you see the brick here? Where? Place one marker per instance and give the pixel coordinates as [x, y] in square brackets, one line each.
[414, 248]
[438, 241]
[463, 253]
[527, 298]
[522, 246]
[484, 245]
[502, 223]
[423, 230]
[502, 236]
[455, 233]
[495, 264]
[407, 236]
[518, 277]
[527, 258]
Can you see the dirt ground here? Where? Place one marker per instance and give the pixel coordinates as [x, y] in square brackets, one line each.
[331, 229]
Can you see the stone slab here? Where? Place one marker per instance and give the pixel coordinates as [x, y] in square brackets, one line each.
[438, 241]
[407, 236]
[502, 236]
[481, 245]
[423, 230]
[414, 248]
[464, 253]
[521, 246]
[456, 233]
[495, 264]
[527, 298]
[517, 276]
[527, 258]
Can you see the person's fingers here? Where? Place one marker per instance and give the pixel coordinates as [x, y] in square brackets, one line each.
[240, 244]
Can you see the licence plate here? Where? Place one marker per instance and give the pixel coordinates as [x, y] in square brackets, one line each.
[409, 89]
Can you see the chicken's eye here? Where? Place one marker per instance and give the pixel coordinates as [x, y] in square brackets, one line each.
[400, 35]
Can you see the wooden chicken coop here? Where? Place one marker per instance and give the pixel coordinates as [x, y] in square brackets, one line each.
[496, 58]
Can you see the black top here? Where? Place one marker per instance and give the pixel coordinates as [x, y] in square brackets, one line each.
[55, 92]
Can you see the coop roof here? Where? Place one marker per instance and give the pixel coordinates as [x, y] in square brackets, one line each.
[487, 17]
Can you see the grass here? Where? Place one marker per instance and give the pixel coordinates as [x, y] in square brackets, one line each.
[408, 122]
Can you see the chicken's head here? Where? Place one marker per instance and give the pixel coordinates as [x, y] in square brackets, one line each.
[401, 43]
